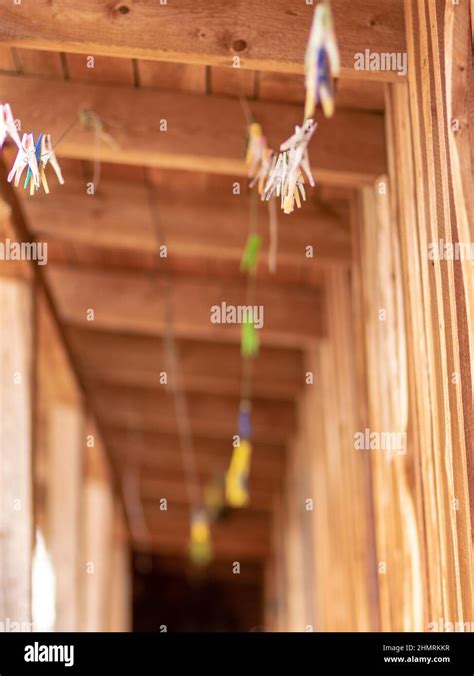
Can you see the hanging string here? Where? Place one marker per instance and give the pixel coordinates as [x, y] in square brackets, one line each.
[132, 497]
[273, 227]
[133, 505]
[186, 441]
[89, 119]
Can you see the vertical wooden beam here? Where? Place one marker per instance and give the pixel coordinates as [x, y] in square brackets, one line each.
[120, 612]
[343, 546]
[330, 561]
[97, 536]
[61, 418]
[16, 518]
[394, 469]
[431, 173]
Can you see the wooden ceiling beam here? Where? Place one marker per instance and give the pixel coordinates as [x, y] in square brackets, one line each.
[160, 453]
[126, 302]
[224, 546]
[137, 360]
[268, 35]
[244, 534]
[153, 489]
[197, 223]
[203, 133]
[213, 416]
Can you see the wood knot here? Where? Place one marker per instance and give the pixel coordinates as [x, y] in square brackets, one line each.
[239, 46]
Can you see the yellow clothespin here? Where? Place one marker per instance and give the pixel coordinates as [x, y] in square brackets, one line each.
[236, 484]
[200, 548]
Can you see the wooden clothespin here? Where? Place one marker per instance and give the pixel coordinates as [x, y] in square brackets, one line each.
[26, 158]
[48, 156]
[296, 149]
[200, 548]
[7, 126]
[322, 62]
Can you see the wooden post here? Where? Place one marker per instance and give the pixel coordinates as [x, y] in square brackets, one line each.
[97, 536]
[430, 145]
[59, 475]
[400, 568]
[343, 545]
[120, 612]
[16, 518]
[330, 557]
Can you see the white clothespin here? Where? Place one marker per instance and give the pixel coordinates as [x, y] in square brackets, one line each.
[322, 61]
[297, 147]
[7, 125]
[48, 156]
[26, 158]
[268, 160]
[286, 179]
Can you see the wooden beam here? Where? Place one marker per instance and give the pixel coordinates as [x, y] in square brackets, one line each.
[210, 415]
[197, 222]
[244, 534]
[153, 489]
[160, 453]
[120, 586]
[218, 570]
[270, 35]
[346, 150]
[137, 360]
[16, 406]
[135, 302]
[97, 535]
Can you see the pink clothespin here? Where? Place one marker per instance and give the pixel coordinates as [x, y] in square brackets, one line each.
[26, 158]
[7, 125]
[48, 156]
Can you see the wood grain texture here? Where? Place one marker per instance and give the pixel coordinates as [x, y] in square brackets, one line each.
[118, 217]
[16, 400]
[127, 359]
[347, 150]
[136, 409]
[208, 32]
[134, 302]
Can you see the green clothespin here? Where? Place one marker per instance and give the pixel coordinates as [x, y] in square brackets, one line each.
[250, 257]
[250, 340]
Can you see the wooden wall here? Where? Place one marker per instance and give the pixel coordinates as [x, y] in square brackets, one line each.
[55, 483]
[392, 529]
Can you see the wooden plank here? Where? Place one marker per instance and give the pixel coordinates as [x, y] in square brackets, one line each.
[134, 302]
[65, 443]
[327, 469]
[210, 415]
[363, 95]
[172, 76]
[97, 535]
[124, 359]
[243, 535]
[160, 453]
[88, 68]
[396, 517]
[346, 150]
[16, 504]
[118, 217]
[172, 488]
[271, 35]
[234, 82]
[120, 587]
[43, 64]
[441, 164]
